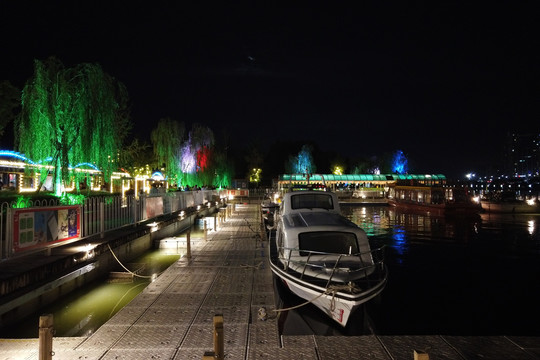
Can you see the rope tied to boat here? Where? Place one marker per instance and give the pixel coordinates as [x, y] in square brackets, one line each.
[331, 290]
[125, 268]
[256, 232]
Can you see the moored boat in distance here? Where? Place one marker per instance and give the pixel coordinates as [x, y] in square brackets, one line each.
[323, 257]
[433, 195]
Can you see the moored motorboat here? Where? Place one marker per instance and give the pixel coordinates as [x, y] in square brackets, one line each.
[323, 257]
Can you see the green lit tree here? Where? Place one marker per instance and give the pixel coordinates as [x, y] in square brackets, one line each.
[222, 170]
[167, 139]
[73, 115]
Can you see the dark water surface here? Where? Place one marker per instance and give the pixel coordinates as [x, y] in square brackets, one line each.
[476, 275]
[462, 275]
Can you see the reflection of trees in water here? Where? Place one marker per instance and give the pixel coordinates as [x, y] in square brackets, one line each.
[467, 265]
[414, 225]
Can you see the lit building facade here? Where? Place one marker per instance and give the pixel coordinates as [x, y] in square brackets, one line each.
[523, 154]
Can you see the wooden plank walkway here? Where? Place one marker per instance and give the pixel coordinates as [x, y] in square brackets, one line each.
[228, 274]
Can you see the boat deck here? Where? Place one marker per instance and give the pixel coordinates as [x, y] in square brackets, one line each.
[229, 275]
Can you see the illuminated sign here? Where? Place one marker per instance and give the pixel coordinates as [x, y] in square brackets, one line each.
[39, 227]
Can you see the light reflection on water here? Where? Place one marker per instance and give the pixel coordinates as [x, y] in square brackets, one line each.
[461, 275]
[83, 311]
[447, 275]
[464, 274]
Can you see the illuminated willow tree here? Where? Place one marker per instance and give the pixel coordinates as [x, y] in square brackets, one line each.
[196, 156]
[399, 163]
[303, 163]
[73, 115]
[221, 169]
[167, 140]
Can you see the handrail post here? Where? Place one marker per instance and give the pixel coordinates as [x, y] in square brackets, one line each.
[306, 264]
[205, 231]
[333, 270]
[134, 209]
[218, 337]
[102, 219]
[45, 337]
[289, 257]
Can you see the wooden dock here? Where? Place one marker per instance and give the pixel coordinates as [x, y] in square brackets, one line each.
[228, 275]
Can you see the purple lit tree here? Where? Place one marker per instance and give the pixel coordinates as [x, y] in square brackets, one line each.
[194, 157]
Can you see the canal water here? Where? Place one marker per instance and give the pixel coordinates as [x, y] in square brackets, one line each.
[460, 275]
[465, 275]
[84, 310]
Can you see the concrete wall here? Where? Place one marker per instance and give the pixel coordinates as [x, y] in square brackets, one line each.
[126, 248]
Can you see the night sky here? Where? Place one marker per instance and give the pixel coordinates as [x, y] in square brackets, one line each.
[442, 81]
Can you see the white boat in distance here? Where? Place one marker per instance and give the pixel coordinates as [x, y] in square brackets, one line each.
[323, 257]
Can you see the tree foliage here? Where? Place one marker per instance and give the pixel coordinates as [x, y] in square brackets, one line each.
[167, 139]
[302, 163]
[134, 155]
[254, 157]
[399, 163]
[196, 154]
[10, 99]
[77, 114]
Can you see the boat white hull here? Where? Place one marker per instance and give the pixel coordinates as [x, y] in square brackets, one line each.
[336, 309]
[338, 306]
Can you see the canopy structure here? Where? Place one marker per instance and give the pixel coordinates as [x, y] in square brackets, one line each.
[365, 180]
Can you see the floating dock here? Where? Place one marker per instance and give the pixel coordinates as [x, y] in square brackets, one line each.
[228, 275]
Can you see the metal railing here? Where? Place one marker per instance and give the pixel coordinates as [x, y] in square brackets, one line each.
[105, 213]
[333, 267]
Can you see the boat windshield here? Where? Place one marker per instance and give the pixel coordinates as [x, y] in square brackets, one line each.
[311, 201]
[327, 242]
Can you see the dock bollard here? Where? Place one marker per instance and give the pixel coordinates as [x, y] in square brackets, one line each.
[218, 337]
[188, 245]
[205, 231]
[46, 337]
[420, 355]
